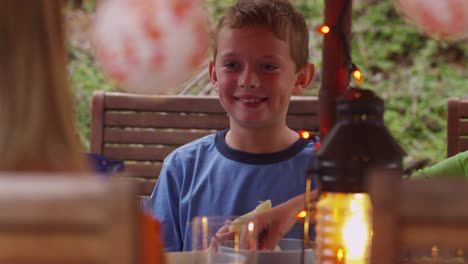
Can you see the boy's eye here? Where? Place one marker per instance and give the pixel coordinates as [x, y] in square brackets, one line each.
[269, 67]
[230, 65]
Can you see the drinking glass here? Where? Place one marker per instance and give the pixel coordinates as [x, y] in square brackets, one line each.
[212, 234]
[209, 233]
[203, 257]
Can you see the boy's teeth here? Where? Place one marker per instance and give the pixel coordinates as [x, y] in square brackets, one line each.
[245, 100]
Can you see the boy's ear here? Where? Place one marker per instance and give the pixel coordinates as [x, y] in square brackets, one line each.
[303, 79]
[213, 77]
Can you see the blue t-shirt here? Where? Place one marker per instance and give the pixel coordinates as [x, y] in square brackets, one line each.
[207, 178]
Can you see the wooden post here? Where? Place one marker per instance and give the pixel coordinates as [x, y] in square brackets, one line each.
[335, 69]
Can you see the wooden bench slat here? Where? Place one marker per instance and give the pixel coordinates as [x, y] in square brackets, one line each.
[218, 122]
[145, 119]
[463, 144]
[423, 214]
[138, 153]
[161, 103]
[144, 170]
[172, 137]
[179, 136]
[464, 108]
[303, 105]
[144, 187]
[67, 218]
[457, 125]
[296, 122]
[420, 235]
[464, 128]
[63, 248]
[432, 204]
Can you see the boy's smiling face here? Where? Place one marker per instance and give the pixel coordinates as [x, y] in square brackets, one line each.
[255, 77]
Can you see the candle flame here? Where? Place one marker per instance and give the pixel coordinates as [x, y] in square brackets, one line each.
[250, 226]
[301, 214]
[356, 229]
[340, 255]
[344, 228]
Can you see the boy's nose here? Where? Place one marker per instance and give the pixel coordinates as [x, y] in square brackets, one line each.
[248, 79]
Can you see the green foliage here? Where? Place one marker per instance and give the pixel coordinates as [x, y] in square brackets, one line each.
[85, 78]
[413, 73]
[86, 5]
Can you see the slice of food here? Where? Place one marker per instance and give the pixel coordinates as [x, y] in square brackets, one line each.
[236, 224]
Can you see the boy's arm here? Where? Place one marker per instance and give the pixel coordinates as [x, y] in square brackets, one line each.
[165, 207]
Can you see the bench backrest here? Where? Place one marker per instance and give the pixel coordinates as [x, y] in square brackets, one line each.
[410, 217]
[143, 129]
[457, 125]
[56, 219]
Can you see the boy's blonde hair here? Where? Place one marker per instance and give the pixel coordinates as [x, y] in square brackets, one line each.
[36, 117]
[278, 16]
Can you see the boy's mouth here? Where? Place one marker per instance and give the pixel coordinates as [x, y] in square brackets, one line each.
[251, 99]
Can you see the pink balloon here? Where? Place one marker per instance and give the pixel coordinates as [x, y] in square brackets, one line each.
[444, 19]
[150, 46]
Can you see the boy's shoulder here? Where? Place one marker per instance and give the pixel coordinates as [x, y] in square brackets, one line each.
[194, 146]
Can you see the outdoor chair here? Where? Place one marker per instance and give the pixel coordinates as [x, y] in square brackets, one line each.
[457, 125]
[418, 219]
[143, 129]
[57, 219]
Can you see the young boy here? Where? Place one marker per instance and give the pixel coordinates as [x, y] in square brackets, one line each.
[260, 61]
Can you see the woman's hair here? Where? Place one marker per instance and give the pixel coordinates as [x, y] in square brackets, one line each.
[278, 16]
[36, 116]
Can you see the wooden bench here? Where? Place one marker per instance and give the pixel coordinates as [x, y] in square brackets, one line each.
[412, 216]
[143, 129]
[457, 125]
[54, 219]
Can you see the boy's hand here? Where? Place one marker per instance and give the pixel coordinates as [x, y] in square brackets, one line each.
[236, 224]
[223, 234]
[273, 224]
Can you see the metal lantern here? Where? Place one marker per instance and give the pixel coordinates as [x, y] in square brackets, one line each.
[359, 141]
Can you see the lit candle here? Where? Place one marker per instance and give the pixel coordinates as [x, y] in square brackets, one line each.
[343, 228]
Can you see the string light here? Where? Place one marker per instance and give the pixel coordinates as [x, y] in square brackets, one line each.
[304, 134]
[301, 214]
[317, 146]
[326, 29]
[357, 74]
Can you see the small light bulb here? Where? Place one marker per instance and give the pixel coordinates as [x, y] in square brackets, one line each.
[317, 146]
[357, 74]
[323, 29]
[304, 134]
[301, 214]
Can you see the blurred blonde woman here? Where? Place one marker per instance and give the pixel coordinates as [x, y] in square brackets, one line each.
[36, 117]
